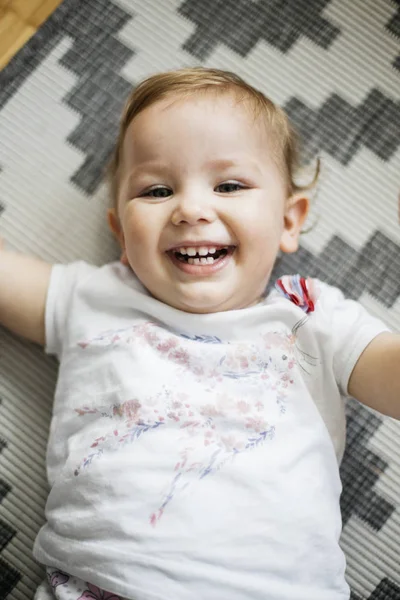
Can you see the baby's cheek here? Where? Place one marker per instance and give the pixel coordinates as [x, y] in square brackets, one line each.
[137, 226]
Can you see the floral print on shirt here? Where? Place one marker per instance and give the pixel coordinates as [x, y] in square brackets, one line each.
[230, 416]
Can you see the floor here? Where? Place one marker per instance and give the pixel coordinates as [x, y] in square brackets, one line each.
[19, 20]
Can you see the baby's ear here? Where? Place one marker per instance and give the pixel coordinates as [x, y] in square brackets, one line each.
[296, 212]
[115, 226]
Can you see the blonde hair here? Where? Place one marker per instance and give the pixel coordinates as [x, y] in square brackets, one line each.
[189, 81]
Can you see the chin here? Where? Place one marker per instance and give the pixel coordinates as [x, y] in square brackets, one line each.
[201, 310]
[200, 300]
[202, 303]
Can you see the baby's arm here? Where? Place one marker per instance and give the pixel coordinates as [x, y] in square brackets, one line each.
[375, 380]
[23, 288]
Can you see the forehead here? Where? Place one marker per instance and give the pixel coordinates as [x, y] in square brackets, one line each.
[205, 122]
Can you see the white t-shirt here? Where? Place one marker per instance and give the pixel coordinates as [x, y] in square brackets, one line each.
[196, 457]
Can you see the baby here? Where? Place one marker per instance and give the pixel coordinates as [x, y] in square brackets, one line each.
[198, 420]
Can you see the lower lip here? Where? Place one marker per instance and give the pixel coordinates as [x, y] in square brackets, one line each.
[202, 270]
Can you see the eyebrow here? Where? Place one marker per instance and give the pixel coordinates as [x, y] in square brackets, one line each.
[227, 163]
[145, 167]
[148, 166]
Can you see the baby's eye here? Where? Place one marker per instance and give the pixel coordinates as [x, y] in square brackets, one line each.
[157, 192]
[229, 187]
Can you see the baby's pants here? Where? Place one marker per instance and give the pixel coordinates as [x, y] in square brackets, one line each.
[61, 586]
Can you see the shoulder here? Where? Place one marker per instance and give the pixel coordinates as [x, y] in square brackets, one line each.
[80, 286]
[322, 302]
[344, 319]
[309, 293]
[90, 279]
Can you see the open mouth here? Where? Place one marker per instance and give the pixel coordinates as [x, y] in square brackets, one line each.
[202, 256]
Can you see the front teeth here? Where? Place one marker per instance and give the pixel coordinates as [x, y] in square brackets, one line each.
[203, 251]
[199, 255]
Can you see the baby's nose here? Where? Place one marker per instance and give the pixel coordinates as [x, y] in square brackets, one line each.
[192, 209]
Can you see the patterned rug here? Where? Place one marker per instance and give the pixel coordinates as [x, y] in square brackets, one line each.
[335, 66]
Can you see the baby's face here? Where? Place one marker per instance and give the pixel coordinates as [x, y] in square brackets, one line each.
[202, 204]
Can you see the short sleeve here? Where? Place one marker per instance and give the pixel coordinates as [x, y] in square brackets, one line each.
[63, 283]
[352, 329]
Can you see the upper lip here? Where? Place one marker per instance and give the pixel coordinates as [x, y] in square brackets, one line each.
[203, 244]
